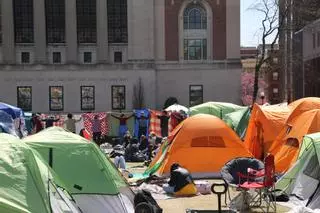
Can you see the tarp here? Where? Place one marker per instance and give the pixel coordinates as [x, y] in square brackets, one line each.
[82, 166]
[218, 109]
[17, 115]
[265, 124]
[202, 144]
[287, 144]
[27, 183]
[303, 178]
[7, 124]
[15, 112]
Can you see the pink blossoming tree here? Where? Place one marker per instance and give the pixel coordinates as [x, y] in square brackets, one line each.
[247, 84]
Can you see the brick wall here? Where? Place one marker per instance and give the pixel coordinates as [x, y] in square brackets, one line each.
[172, 29]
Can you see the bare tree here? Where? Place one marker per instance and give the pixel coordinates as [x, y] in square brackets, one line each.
[273, 18]
[138, 95]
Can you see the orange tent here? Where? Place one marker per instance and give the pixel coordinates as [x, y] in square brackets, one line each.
[303, 105]
[289, 140]
[296, 109]
[202, 144]
[264, 125]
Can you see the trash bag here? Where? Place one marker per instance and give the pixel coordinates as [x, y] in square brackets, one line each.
[144, 202]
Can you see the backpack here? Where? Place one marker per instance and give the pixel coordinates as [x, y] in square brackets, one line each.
[144, 202]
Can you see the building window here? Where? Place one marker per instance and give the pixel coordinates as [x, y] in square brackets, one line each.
[56, 57]
[25, 57]
[86, 21]
[56, 98]
[275, 76]
[87, 57]
[55, 21]
[275, 92]
[117, 21]
[195, 95]
[195, 49]
[118, 57]
[195, 17]
[118, 97]
[24, 98]
[87, 98]
[23, 21]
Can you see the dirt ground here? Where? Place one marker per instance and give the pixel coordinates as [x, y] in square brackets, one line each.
[202, 202]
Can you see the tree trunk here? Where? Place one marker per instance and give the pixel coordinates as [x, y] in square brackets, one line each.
[256, 83]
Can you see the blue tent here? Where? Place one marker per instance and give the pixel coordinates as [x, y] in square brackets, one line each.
[15, 112]
[7, 123]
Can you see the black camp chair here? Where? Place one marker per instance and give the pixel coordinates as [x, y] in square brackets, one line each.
[231, 169]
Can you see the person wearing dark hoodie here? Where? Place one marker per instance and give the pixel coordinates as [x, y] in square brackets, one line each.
[50, 121]
[164, 123]
[181, 182]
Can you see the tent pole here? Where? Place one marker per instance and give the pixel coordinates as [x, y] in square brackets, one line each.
[50, 157]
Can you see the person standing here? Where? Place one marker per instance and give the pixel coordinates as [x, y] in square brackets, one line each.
[50, 120]
[164, 123]
[36, 124]
[123, 124]
[70, 123]
[143, 124]
[96, 129]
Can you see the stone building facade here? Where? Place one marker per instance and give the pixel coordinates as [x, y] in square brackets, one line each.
[94, 55]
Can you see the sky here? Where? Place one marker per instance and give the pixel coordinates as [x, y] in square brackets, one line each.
[250, 24]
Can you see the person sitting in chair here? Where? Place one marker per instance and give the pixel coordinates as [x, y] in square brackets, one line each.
[181, 182]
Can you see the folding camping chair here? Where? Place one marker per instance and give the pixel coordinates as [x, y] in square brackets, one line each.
[232, 168]
[262, 181]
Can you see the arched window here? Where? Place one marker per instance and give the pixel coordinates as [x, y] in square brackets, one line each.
[195, 17]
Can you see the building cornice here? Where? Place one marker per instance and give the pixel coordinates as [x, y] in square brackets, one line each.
[131, 65]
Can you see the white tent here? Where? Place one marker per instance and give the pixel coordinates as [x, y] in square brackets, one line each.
[177, 108]
[302, 181]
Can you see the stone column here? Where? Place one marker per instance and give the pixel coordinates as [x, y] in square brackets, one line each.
[159, 29]
[71, 31]
[39, 23]
[233, 29]
[102, 31]
[141, 30]
[8, 45]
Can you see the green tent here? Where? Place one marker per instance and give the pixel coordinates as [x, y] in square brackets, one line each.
[84, 169]
[238, 121]
[27, 183]
[218, 109]
[302, 180]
